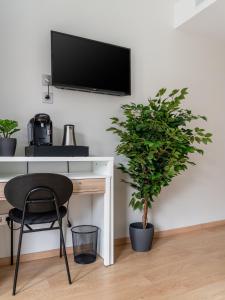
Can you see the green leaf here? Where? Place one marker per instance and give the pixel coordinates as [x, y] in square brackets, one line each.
[184, 91]
[203, 118]
[200, 151]
[8, 127]
[173, 93]
[208, 135]
[114, 120]
[161, 92]
[198, 139]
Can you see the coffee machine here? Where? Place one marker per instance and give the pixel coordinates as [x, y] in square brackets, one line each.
[40, 130]
[40, 140]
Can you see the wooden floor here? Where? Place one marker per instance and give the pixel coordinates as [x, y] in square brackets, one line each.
[184, 267]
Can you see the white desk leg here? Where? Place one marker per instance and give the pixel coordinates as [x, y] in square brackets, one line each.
[108, 251]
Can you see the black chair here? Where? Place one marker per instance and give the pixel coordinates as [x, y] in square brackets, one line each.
[38, 199]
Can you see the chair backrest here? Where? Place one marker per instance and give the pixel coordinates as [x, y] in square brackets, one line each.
[17, 189]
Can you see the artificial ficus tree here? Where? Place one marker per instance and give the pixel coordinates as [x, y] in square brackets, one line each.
[157, 140]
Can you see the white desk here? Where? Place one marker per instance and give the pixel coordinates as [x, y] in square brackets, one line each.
[90, 175]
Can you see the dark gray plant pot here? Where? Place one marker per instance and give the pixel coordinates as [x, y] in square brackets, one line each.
[141, 239]
[7, 146]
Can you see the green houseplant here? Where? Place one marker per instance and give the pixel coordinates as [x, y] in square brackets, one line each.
[7, 144]
[157, 140]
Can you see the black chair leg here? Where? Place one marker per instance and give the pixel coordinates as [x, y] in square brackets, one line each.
[11, 246]
[63, 242]
[17, 260]
[64, 254]
[60, 247]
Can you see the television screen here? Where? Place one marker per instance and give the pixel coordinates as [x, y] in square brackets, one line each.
[88, 65]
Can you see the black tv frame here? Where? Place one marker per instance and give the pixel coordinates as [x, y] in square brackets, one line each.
[89, 89]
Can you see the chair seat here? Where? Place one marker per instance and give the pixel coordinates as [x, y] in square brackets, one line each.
[36, 218]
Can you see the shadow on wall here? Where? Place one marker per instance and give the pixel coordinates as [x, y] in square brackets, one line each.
[162, 204]
[170, 208]
[173, 196]
[120, 204]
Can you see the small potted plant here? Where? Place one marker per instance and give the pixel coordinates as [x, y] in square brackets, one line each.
[157, 140]
[7, 144]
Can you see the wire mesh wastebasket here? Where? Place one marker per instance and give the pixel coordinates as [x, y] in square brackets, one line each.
[85, 239]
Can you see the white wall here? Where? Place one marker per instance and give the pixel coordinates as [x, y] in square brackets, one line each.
[161, 57]
[187, 9]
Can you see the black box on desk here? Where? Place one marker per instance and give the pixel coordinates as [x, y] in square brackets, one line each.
[54, 151]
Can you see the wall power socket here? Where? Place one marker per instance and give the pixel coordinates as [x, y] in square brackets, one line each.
[3, 220]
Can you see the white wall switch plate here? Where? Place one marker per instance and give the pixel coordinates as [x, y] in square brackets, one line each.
[46, 79]
[45, 99]
[3, 220]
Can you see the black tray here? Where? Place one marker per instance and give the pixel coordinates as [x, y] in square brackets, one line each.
[54, 151]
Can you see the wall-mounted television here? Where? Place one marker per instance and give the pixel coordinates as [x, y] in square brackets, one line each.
[87, 65]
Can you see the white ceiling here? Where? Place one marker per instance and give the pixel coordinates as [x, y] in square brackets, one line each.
[209, 22]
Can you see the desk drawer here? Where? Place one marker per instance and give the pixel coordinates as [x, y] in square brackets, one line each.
[80, 186]
[2, 195]
[89, 186]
